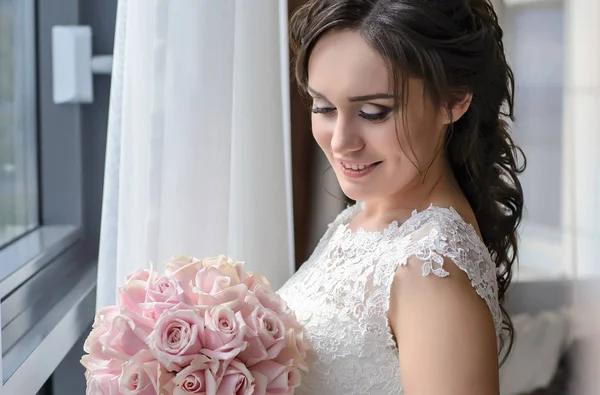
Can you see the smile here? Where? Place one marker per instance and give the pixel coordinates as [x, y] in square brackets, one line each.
[356, 166]
[356, 170]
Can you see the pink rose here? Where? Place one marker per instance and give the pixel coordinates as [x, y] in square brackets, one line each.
[106, 314]
[95, 364]
[102, 384]
[102, 376]
[202, 377]
[131, 298]
[267, 337]
[239, 268]
[131, 295]
[295, 350]
[145, 275]
[221, 261]
[237, 380]
[212, 288]
[271, 300]
[179, 262]
[227, 266]
[124, 339]
[142, 375]
[224, 333]
[184, 269]
[161, 295]
[216, 261]
[274, 378]
[211, 280]
[101, 325]
[164, 290]
[176, 339]
[253, 280]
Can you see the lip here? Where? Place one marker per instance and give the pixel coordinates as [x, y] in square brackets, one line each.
[372, 166]
[351, 162]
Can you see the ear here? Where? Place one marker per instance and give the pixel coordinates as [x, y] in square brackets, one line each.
[458, 110]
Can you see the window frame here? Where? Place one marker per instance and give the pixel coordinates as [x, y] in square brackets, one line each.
[24, 122]
[43, 321]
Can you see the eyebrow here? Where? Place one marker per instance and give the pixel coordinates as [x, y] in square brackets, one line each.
[373, 96]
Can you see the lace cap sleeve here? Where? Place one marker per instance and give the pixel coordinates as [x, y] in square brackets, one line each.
[441, 233]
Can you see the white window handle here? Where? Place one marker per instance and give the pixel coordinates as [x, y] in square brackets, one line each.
[73, 64]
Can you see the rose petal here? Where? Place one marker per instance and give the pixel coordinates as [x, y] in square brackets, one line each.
[177, 337]
[235, 293]
[280, 379]
[206, 279]
[202, 376]
[186, 275]
[237, 380]
[270, 300]
[254, 280]
[122, 341]
[144, 276]
[225, 333]
[142, 378]
[94, 364]
[179, 262]
[254, 352]
[130, 295]
[102, 384]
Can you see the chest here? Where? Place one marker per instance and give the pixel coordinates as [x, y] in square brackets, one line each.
[341, 298]
[343, 310]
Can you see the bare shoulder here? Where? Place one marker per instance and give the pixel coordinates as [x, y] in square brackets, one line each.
[442, 323]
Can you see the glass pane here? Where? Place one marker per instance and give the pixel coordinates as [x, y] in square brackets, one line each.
[18, 149]
[535, 47]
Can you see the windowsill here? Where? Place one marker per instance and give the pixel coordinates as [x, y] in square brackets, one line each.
[35, 357]
[24, 257]
[48, 301]
[8, 234]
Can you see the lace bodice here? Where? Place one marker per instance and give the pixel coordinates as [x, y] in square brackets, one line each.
[341, 295]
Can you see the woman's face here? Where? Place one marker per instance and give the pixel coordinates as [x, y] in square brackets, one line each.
[374, 152]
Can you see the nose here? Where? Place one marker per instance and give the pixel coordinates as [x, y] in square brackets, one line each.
[346, 138]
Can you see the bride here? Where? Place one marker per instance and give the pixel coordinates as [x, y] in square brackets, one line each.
[409, 101]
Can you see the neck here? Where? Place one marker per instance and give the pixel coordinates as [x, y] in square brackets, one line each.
[434, 188]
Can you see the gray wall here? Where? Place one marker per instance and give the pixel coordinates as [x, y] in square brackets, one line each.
[68, 378]
[101, 16]
[60, 125]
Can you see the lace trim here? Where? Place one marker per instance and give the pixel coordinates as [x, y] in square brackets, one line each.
[447, 235]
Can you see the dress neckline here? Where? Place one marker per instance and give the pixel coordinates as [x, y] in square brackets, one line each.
[395, 226]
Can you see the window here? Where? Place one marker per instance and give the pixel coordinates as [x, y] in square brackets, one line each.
[18, 138]
[535, 48]
[42, 237]
[552, 46]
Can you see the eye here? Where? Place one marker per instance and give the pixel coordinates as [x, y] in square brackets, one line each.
[323, 110]
[375, 112]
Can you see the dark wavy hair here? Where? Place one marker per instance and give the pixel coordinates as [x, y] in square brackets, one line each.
[455, 47]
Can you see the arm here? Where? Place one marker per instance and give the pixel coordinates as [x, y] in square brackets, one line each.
[445, 333]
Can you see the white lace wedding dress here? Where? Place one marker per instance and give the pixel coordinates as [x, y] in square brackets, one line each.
[341, 295]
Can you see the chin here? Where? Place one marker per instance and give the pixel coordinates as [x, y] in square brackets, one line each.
[355, 193]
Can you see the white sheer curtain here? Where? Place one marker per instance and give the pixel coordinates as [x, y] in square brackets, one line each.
[198, 158]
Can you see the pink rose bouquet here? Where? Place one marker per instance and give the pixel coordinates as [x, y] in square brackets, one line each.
[204, 327]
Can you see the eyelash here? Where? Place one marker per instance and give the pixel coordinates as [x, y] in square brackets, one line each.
[369, 117]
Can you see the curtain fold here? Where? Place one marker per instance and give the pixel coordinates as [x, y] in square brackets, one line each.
[198, 151]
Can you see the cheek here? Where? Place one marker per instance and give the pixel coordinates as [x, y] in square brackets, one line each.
[418, 140]
[388, 141]
[322, 133]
